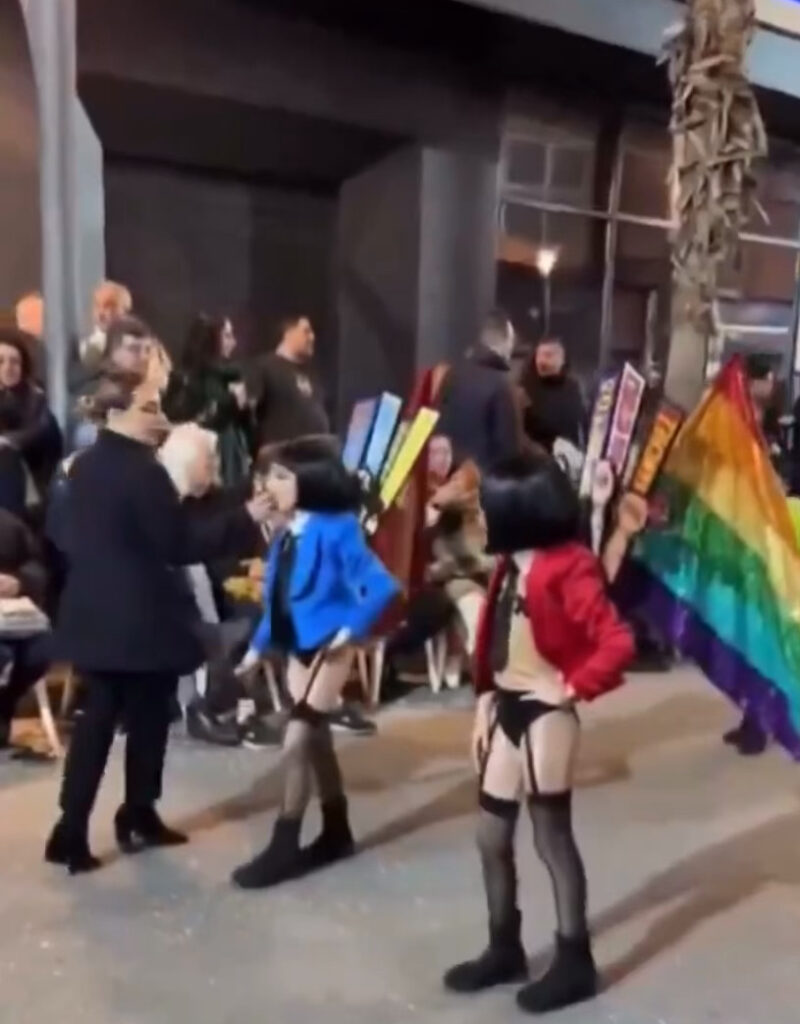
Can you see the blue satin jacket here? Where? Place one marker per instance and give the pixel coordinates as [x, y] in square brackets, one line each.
[337, 582]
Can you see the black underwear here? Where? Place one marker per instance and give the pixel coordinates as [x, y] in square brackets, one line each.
[306, 658]
[516, 713]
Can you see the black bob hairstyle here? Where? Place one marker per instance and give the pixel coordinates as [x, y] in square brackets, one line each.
[529, 503]
[323, 483]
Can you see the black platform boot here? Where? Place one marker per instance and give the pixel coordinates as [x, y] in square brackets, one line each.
[138, 828]
[70, 850]
[570, 978]
[278, 862]
[503, 961]
[335, 841]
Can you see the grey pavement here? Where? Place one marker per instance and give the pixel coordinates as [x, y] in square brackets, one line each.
[693, 857]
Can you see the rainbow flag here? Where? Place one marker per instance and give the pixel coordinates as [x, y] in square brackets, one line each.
[721, 577]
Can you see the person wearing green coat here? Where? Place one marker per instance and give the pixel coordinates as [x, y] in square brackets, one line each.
[207, 388]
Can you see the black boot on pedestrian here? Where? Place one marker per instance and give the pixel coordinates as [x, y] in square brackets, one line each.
[203, 726]
[139, 828]
[733, 737]
[335, 841]
[571, 978]
[752, 740]
[503, 961]
[70, 850]
[279, 862]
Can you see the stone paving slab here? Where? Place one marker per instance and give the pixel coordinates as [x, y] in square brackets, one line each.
[693, 857]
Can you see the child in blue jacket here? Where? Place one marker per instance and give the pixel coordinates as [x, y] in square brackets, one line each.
[324, 589]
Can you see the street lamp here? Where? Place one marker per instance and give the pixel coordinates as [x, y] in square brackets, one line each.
[546, 259]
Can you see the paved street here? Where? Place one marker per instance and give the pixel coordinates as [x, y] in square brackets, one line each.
[693, 857]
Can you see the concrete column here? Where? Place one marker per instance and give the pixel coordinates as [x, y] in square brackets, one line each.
[458, 240]
[416, 266]
[51, 31]
[71, 188]
[377, 278]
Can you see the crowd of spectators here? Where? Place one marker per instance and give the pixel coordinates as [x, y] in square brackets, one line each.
[231, 410]
[229, 415]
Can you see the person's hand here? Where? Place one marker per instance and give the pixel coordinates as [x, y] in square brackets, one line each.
[261, 507]
[632, 514]
[250, 661]
[239, 392]
[569, 702]
[481, 727]
[255, 570]
[432, 515]
[9, 586]
[341, 639]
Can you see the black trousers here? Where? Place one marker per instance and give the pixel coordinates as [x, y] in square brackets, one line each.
[143, 703]
[225, 645]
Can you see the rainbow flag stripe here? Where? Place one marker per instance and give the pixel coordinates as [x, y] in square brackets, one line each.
[722, 577]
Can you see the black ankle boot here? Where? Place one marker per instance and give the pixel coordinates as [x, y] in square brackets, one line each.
[570, 978]
[71, 850]
[335, 841]
[279, 862]
[138, 828]
[503, 961]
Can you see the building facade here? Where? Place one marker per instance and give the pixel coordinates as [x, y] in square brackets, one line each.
[392, 175]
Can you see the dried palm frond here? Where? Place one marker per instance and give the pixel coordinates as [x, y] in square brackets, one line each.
[717, 135]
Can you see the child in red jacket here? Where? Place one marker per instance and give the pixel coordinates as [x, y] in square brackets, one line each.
[549, 639]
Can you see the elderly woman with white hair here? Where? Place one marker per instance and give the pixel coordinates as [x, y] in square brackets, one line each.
[190, 456]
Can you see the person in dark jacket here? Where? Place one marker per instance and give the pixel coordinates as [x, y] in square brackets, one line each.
[207, 389]
[22, 574]
[478, 410]
[555, 406]
[287, 400]
[30, 439]
[127, 621]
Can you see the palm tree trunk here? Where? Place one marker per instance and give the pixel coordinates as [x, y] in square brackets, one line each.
[717, 133]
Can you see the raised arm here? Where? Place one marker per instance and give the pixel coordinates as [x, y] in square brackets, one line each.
[179, 538]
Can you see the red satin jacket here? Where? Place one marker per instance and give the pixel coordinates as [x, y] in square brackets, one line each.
[575, 625]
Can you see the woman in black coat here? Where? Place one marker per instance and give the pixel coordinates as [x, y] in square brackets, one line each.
[30, 439]
[127, 620]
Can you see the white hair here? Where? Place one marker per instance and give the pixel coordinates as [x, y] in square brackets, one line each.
[179, 454]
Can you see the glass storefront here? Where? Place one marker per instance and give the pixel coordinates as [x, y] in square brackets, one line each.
[584, 252]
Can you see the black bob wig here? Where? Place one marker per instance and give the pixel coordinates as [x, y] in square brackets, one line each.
[323, 483]
[529, 503]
